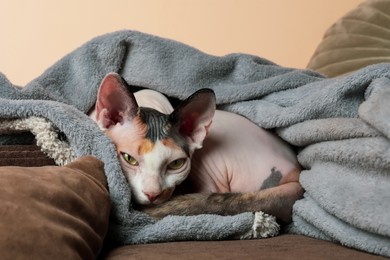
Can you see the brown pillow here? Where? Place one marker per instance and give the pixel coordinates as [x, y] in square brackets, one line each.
[358, 39]
[53, 212]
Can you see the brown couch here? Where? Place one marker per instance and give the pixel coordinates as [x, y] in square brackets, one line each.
[50, 212]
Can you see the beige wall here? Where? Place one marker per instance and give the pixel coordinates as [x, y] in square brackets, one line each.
[36, 33]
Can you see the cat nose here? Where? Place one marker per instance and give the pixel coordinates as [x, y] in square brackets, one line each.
[152, 196]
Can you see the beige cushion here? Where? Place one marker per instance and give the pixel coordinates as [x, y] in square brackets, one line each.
[53, 212]
[360, 38]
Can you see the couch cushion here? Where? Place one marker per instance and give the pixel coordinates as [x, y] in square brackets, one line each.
[50, 212]
[358, 39]
[280, 247]
[23, 155]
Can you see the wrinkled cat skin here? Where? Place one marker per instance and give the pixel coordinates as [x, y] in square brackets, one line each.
[240, 168]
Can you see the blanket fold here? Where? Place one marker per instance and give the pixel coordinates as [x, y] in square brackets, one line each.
[340, 126]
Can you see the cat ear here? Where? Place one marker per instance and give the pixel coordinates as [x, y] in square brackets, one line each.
[194, 115]
[115, 103]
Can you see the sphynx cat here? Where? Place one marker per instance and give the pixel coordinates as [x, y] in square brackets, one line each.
[219, 162]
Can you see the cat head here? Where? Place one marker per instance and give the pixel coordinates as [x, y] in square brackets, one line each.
[154, 149]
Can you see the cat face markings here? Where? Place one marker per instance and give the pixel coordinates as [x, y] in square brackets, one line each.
[152, 168]
[154, 174]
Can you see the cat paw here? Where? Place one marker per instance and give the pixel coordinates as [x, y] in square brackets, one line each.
[264, 226]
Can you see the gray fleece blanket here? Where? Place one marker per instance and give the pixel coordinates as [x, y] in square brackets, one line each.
[341, 127]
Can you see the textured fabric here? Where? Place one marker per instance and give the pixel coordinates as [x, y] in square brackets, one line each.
[23, 155]
[346, 165]
[46, 137]
[281, 247]
[358, 39]
[50, 212]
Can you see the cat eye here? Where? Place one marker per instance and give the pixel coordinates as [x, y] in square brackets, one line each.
[129, 159]
[176, 164]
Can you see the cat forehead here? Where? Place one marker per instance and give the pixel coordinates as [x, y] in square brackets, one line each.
[161, 150]
[160, 128]
[157, 123]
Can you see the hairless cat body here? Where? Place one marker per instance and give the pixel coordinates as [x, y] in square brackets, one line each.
[219, 162]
